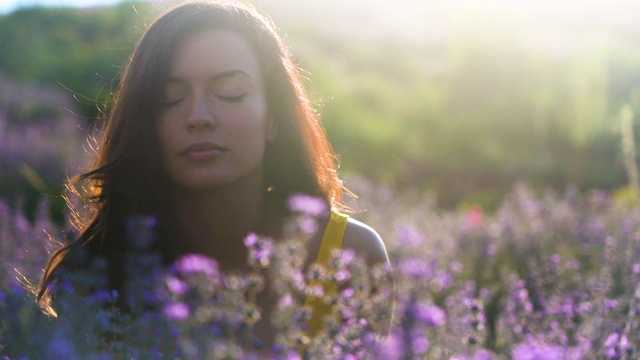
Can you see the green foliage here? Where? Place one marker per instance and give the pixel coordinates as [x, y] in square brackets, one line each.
[458, 98]
[81, 50]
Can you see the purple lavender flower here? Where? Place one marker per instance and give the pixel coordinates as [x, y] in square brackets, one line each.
[260, 250]
[430, 314]
[176, 286]
[481, 354]
[532, 349]
[414, 267]
[141, 231]
[442, 280]
[176, 310]
[308, 225]
[285, 301]
[393, 348]
[196, 263]
[342, 275]
[615, 345]
[251, 239]
[100, 297]
[419, 342]
[410, 237]
[610, 304]
[308, 205]
[62, 348]
[347, 256]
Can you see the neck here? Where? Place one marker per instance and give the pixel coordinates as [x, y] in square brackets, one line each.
[215, 221]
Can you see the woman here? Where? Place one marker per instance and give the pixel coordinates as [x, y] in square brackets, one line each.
[211, 132]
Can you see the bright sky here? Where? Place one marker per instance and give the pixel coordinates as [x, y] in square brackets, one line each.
[10, 5]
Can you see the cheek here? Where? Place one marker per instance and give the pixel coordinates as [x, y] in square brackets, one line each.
[166, 131]
[250, 122]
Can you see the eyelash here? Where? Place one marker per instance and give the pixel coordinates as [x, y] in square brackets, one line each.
[232, 99]
[171, 103]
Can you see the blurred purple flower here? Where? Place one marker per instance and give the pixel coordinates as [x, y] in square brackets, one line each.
[16, 288]
[176, 310]
[610, 303]
[442, 280]
[483, 354]
[197, 264]
[616, 345]
[251, 239]
[410, 237]
[430, 314]
[584, 307]
[456, 267]
[536, 350]
[393, 347]
[285, 301]
[308, 205]
[100, 297]
[62, 348]
[260, 250]
[315, 291]
[414, 267]
[308, 225]
[480, 354]
[176, 286]
[419, 342]
[347, 256]
[141, 230]
[348, 293]
[342, 275]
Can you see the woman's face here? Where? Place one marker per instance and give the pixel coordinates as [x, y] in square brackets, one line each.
[214, 124]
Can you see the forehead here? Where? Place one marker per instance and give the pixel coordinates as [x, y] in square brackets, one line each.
[210, 52]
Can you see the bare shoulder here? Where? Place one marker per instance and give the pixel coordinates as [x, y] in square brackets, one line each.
[365, 241]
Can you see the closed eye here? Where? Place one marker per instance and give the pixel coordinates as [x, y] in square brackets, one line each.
[233, 99]
[170, 103]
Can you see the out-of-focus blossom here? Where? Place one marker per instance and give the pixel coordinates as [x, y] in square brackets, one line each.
[409, 236]
[176, 310]
[414, 267]
[260, 250]
[419, 342]
[176, 286]
[474, 217]
[536, 350]
[308, 205]
[616, 345]
[430, 314]
[197, 264]
[141, 230]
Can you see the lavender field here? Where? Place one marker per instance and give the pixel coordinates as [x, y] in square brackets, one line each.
[535, 275]
[548, 276]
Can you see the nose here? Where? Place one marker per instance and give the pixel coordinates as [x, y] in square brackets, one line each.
[201, 114]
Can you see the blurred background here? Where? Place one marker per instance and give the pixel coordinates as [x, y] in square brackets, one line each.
[459, 98]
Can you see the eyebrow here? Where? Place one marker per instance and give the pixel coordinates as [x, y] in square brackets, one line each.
[217, 77]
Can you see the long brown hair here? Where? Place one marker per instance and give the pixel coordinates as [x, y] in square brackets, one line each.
[126, 177]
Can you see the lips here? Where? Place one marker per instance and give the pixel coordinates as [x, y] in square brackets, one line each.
[203, 151]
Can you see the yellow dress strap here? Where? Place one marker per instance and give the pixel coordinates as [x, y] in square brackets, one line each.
[331, 239]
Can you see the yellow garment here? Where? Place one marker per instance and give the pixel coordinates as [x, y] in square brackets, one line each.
[331, 239]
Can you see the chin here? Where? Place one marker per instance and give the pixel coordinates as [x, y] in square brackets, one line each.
[206, 185]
